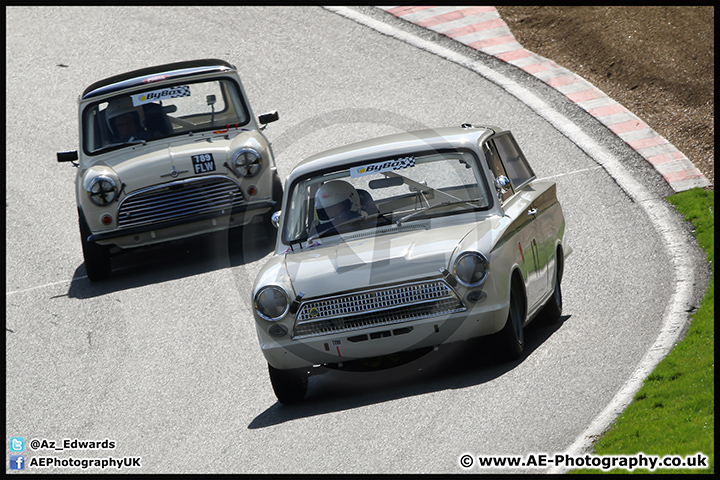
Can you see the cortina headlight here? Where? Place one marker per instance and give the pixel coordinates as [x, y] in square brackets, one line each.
[246, 162]
[271, 303]
[102, 190]
[471, 268]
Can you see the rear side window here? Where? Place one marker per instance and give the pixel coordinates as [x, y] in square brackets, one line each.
[517, 168]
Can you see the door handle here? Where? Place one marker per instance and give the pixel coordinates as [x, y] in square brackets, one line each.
[532, 211]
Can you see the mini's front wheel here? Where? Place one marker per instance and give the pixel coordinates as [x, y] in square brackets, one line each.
[277, 193]
[97, 257]
[290, 386]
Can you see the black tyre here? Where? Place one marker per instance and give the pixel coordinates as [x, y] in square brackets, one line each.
[97, 257]
[290, 386]
[553, 308]
[512, 336]
[277, 194]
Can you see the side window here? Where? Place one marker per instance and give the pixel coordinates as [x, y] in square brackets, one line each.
[519, 172]
[496, 167]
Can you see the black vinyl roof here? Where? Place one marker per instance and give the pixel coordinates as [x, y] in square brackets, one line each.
[137, 76]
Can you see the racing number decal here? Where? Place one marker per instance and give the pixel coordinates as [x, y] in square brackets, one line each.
[203, 163]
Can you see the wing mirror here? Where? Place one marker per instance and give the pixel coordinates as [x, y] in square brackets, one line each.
[69, 156]
[268, 117]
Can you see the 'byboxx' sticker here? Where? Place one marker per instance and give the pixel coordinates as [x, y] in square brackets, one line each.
[162, 94]
[380, 167]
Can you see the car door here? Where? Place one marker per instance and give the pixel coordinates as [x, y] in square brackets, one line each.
[526, 203]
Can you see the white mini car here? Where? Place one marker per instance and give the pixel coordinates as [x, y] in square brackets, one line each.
[404, 243]
[166, 153]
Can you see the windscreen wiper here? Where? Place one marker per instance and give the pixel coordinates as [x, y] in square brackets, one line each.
[430, 207]
[114, 146]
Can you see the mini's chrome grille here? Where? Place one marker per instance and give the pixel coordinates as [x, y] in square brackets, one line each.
[369, 308]
[183, 198]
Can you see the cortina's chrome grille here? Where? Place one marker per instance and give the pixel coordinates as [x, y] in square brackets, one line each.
[180, 199]
[369, 308]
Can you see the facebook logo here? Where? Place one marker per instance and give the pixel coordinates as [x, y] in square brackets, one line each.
[17, 444]
[17, 462]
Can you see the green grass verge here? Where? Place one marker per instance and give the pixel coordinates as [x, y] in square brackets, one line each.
[673, 413]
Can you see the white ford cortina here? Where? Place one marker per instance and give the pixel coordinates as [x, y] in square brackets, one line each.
[166, 153]
[404, 243]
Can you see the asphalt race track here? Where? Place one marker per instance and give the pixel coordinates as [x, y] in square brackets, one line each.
[162, 359]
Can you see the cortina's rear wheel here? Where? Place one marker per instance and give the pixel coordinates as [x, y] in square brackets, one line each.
[553, 308]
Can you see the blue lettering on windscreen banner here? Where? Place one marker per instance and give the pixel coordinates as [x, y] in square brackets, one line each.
[162, 94]
[380, 167]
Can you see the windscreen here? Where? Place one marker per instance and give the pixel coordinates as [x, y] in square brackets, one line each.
[161, 112]
[383, 192]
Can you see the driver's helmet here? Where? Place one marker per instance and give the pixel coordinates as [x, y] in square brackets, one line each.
[337, 201]
[122, 110]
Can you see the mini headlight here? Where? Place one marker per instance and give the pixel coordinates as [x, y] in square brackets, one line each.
[102, 190]
[471, 268]
[246, 162]
[271, 302]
